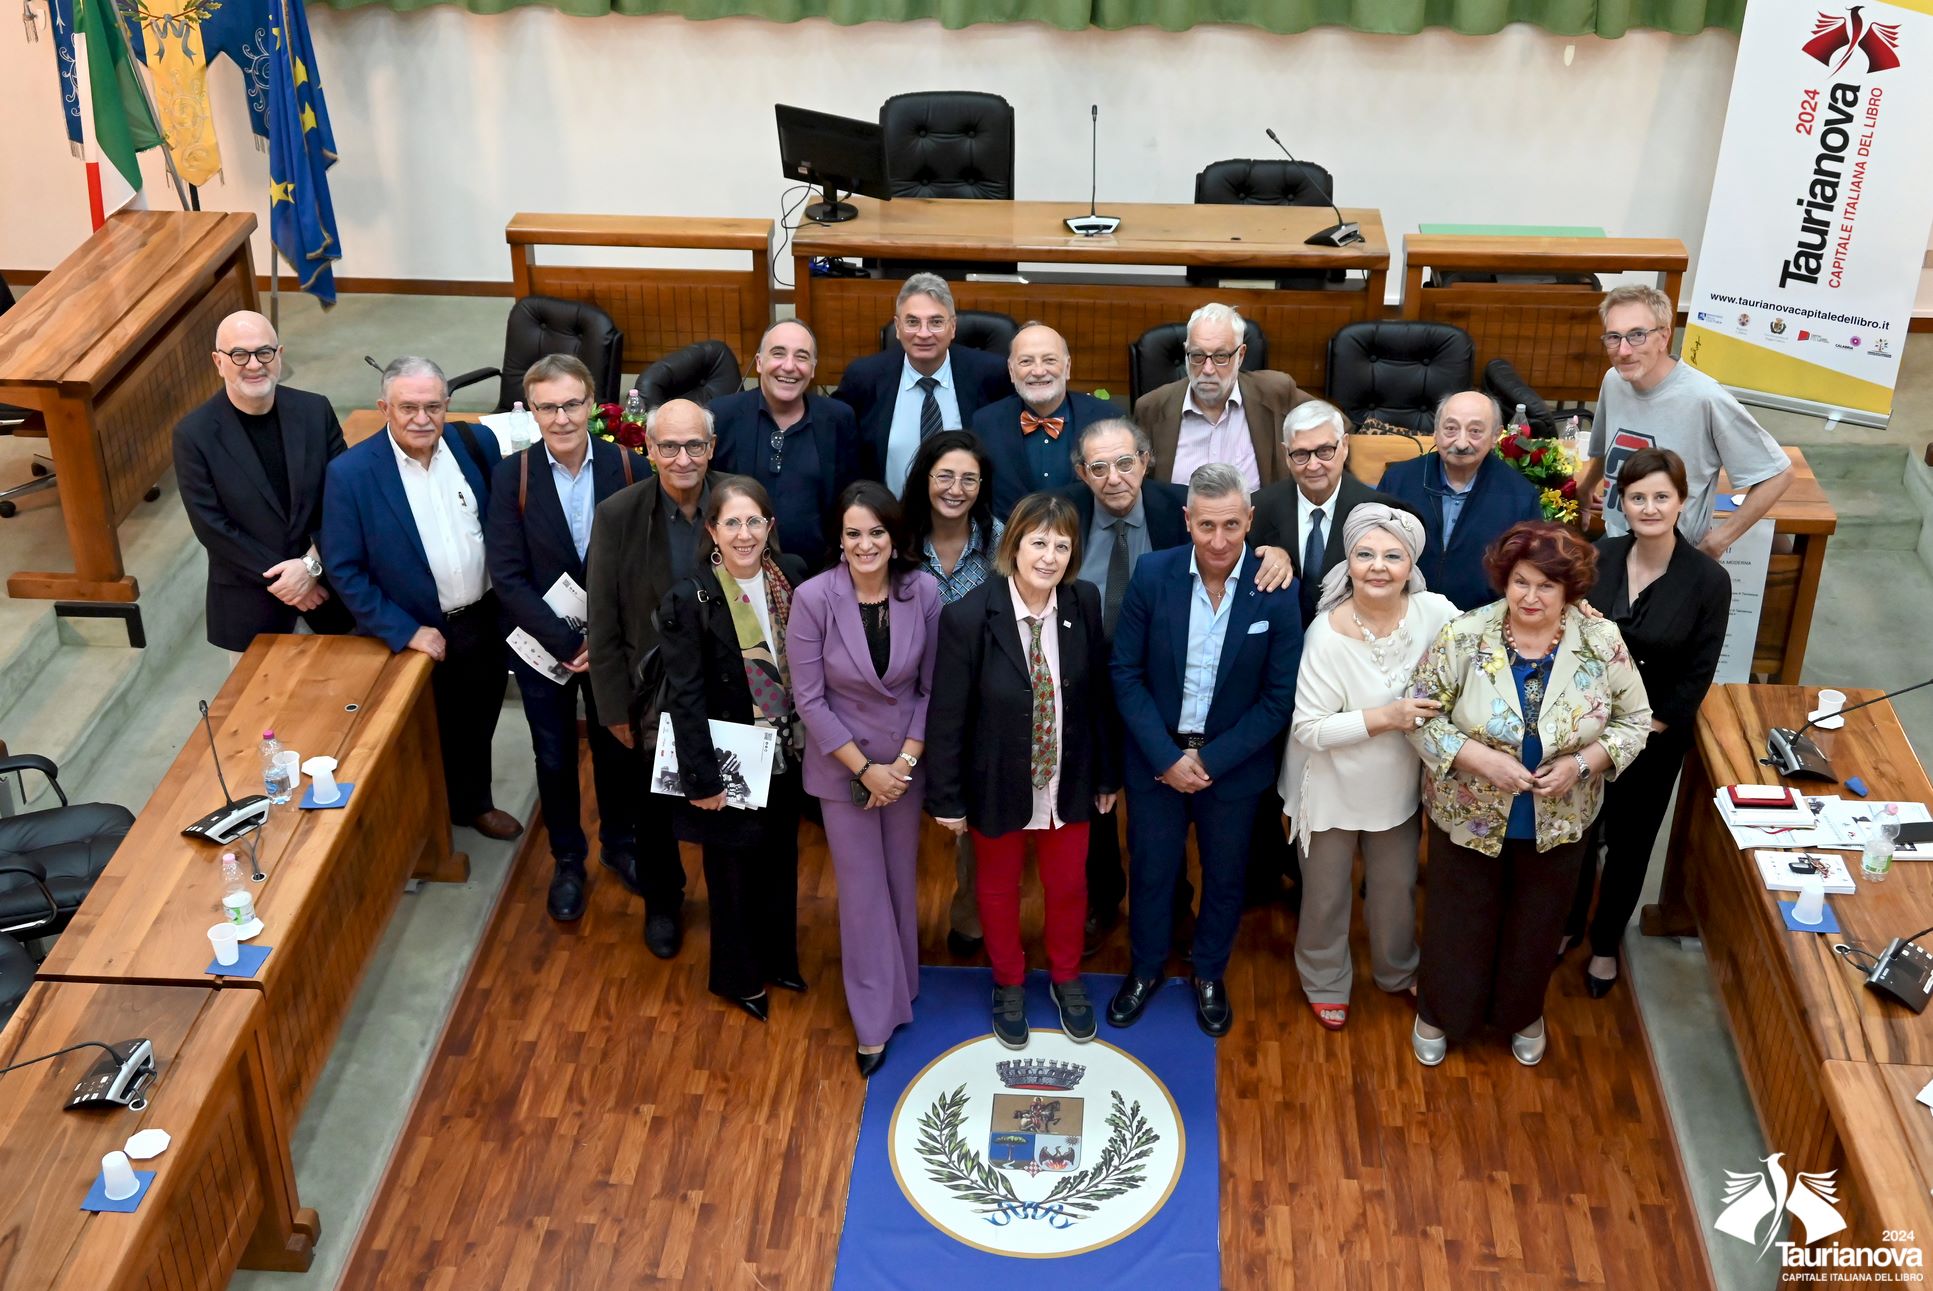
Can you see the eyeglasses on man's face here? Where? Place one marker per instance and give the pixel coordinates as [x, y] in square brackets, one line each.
[550, 410]
[1634, 338]
[1123, 465]
[1213, 358]
[1301, 456]
[264, 355]
[697, 449]
[411, 411]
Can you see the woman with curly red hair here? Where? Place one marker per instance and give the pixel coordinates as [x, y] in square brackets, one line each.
[1540, 704]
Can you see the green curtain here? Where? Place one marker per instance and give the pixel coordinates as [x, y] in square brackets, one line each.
[1383, 17]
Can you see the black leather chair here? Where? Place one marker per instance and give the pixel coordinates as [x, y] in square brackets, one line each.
[1158, 356]
[979, 329]
[1396, 371]
[948, 143]
[699, 372]
[16, 975]
[49, 859]
[1265, 182]
[541, 325]
[24, 422]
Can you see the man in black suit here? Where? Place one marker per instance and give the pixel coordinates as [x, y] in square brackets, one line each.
[1028, 433]
[803, 448]
[251, 463]
[537, 536]
[910, 393]
[644, 540]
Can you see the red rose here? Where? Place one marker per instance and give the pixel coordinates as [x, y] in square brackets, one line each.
[629, 434]
[1537, 456]
[1512, 449]
[1568, 489]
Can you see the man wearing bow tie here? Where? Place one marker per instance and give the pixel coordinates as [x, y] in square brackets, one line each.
[1028, 435]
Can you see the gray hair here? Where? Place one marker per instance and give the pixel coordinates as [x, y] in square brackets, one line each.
[1311, 415]
[411, 365]
[704, 413]
[925, 284]
[1496, 409]
[1662, 310]
[1364, 516]
[1215, 480]
[1142, 444]
[1214, 313]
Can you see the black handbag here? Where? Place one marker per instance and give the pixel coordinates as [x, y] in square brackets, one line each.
[652, 685]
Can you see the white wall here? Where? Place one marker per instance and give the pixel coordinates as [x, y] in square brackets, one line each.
[449, 122]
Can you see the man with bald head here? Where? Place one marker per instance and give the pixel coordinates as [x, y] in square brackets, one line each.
[251, 463]
[643, 540]
[1029, 434]
[803, 448]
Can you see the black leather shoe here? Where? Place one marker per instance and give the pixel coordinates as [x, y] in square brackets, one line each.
[1128, 1002]
[1212, 1008]
[624, 865]
[964, 946]
[871, 1062]
[663, 934]
[790, 982]
[1597, 987]
[756, 1005]
[566, 903]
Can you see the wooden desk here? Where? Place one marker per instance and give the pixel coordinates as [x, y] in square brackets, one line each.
[658, 310]
[113, 349]
[1099, 317]
[1887, 1140]
[334, 877]
[1549, 332]
[1791, 1003]
[224, 1193]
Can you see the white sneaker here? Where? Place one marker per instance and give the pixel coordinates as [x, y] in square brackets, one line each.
[1428, 1052]
[1529, 1049]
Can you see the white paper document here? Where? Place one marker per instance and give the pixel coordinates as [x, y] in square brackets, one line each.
[1747, 562]
[1748, 837]
[1851, 821]
[1776, 869]
[540, 659]
[568, 602]
[744, 761]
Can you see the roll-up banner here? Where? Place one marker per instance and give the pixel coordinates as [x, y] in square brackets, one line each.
[1820, 205]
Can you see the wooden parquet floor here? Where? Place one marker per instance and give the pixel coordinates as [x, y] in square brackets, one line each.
[593, 1118]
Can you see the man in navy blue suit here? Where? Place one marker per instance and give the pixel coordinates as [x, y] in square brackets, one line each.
[1028, 433]
[1204, 666]
[1466, 494]
[907, 394]
[803, 448]
[402, 538]
[537, 535]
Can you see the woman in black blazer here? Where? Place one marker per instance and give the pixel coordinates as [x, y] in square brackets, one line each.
[1671, 602]
[722, 639]
[1018, 748]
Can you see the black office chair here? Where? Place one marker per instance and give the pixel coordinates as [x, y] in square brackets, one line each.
[16, 975]
[1265, 182]
[1460, 277]
[1396, 371]
[700, 372]
[541, 325]
[1158, 356]
[978, 329]
[26, 423]
[49, 859]
[948, 143]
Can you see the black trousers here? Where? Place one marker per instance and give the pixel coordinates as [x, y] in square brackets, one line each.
[1490, 931]
[468, 689]
[1634, 808]
[1107, 881]
[752, 882]
[616, 772]
[1272, 857]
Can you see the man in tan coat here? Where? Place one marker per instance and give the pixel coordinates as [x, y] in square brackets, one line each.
[1217, 412]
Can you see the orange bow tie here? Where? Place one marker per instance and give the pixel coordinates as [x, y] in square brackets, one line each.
[1052, 425]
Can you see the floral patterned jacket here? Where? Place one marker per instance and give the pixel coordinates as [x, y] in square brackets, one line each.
[1595, 695]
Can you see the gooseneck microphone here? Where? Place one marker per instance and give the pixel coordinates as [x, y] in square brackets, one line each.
[1794, 756]
[236, 816]
[1091, 225]
[1340, 234]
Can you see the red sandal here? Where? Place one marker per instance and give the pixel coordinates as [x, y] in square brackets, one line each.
[1332, 1016]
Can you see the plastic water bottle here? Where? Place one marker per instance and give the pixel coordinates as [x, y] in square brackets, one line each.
[1876, 853]
[523, 426]
[276, 782]
[237, 905]
[634, 407]
[1520, 421]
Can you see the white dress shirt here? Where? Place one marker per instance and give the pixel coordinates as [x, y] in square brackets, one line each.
[1305, 516]
[903, 439]
[449, 522]
[1207, 630]
[1200, 441]
[1047, 797]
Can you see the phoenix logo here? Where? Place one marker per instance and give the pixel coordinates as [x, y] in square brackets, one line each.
[1842, 35]
[1756, 1197]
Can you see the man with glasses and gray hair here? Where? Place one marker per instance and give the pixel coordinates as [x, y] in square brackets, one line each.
[251, 463]
[1651, 400]
[1217, 412]
[644, 540]
[906, 394]
[402, 536]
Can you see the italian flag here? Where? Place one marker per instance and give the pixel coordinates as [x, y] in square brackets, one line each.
[121, 124]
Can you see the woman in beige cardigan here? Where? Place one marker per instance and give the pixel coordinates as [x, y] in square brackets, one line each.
[1540, 705]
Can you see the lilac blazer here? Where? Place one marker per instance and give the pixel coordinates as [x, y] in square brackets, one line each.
[837, 694]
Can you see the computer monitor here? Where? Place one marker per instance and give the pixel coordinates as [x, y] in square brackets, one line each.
[833, 153]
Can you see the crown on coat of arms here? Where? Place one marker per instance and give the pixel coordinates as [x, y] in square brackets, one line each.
[1039, 1073]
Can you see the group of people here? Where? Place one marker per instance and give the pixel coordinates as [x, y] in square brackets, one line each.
[954, 588]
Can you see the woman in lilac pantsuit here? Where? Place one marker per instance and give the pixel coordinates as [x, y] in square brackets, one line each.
[862, 639]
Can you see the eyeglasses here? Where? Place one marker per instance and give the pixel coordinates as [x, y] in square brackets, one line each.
[747, 524]
[1214, 358]
[264, 356]
[947, 479]
[697, 450]
[411, 411]
[1634, 338]
[1301, 456]
[549, 410]
[1120, 465]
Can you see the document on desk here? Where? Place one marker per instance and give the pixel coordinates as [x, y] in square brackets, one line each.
[568, 602]
[1748, 837]
[541, 660]
[1775, 868]
[1852, 822]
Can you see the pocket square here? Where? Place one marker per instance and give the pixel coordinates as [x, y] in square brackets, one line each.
[1258, 627]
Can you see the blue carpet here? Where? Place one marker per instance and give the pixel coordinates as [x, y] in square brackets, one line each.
[973, 1158]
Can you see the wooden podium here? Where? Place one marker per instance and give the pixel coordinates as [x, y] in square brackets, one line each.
[112, 348]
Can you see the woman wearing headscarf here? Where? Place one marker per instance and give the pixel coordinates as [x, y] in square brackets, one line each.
[1350, 780]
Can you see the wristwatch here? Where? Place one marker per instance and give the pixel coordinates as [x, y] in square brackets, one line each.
[1583, 767]
[909, 759]
[313, 565]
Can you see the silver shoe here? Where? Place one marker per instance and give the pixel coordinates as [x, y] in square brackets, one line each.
[1529, 1050]
[1428, 1052]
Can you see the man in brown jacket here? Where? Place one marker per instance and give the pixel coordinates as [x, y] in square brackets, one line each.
[1217, 412]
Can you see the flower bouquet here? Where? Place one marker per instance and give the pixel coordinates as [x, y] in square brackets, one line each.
[608, 424]
[1548, 463]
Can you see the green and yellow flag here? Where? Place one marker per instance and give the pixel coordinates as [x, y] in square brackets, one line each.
[123, 125]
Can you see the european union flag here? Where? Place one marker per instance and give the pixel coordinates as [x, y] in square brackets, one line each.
[301, 148]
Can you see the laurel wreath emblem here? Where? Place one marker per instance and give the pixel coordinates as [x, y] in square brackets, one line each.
[951, 1163]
